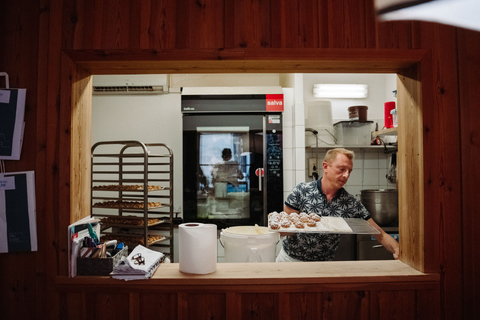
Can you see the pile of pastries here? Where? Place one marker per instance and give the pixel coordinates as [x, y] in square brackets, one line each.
[129, 238]
[298, 221]
[131, 221]
[126, 204]
[130, 187]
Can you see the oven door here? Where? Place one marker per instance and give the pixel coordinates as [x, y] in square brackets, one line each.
[223, 160]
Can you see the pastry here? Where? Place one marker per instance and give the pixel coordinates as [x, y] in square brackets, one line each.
[285, 223]
[314, 217]
[294, 217]
[299, 225]
[311, 223]
[274, 225]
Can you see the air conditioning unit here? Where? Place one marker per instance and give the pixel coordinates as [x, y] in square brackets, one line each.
[131, 84]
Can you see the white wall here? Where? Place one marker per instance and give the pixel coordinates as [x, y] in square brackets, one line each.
[380, 87]
[147, 118]
[370, 167]
[223, 80]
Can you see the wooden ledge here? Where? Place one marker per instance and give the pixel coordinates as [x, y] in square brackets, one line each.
[357, 273]
[243, 60]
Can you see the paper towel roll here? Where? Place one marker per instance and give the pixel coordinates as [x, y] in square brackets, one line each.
[197, 248]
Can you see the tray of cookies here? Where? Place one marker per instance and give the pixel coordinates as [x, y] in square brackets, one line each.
[126, 204]
[130, 238]
[127, 187]
[121, 221]
[314, 223]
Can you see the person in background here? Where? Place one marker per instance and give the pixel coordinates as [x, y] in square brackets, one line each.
[327, 197]
[225, 172]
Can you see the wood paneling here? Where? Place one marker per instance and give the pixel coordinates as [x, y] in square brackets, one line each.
[410, 178]
[441, 123]
[22, 275]
[79, 132]
[251, 24]
[469, 77]
[200, 24]
[245, 60]
[162, 304]
[285, 291]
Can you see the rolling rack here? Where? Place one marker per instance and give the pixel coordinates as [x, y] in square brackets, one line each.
[132, 193]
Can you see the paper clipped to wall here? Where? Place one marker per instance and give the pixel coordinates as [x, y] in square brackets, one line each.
[18, 226]
[12, 112]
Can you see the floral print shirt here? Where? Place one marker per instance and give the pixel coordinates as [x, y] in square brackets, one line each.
[308, 197]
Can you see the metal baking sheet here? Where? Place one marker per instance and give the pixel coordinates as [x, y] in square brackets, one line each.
[335, 225]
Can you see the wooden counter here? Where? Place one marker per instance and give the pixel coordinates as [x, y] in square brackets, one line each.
[371, 289]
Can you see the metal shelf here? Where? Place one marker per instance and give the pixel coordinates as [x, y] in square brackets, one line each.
[385, 132]
[372, 147]
[131, 167]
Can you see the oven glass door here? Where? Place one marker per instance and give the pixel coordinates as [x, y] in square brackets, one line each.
[223, 158]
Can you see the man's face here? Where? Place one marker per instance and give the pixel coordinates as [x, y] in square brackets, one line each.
[338, 172]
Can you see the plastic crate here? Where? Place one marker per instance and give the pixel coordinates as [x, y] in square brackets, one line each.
[99, 266]
[353, 133]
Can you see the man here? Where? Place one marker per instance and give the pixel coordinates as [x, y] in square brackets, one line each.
[225, 172]
[327, 197]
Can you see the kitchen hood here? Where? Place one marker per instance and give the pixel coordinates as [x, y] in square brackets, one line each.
[130, 84]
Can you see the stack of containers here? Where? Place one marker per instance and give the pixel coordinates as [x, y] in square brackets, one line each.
[357, 131]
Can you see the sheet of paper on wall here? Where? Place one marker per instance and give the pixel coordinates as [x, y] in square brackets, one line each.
[18, 225]
[12, 113]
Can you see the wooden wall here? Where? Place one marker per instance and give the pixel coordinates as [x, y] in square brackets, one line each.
[49, 45]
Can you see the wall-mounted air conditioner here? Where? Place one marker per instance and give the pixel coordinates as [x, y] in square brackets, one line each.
[131, 84]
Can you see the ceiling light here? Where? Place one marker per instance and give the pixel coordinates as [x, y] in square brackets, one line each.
[338, 91]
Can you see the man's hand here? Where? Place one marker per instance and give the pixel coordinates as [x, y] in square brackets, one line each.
[386, 240]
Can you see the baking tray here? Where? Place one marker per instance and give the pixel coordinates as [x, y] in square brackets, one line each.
[334, 225]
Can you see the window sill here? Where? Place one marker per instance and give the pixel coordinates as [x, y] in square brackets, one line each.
[264, 274]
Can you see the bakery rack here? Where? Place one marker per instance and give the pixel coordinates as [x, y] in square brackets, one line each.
[132, 193]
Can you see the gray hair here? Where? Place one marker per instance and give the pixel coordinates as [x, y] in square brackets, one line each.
[332, 154]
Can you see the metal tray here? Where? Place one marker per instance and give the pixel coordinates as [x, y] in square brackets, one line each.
[334, 225]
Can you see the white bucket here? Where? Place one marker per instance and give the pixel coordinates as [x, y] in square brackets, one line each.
[249, 244]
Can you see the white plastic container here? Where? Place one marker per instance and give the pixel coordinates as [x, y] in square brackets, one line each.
[249, 244]
[394, 117]
[353, 133]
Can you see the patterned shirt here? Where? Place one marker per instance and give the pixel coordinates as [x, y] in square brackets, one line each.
[308, 197]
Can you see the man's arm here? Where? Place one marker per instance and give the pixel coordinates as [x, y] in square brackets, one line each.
[289, 210]
[386, 240]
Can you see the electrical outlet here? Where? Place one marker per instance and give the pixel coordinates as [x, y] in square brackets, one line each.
[312, 162]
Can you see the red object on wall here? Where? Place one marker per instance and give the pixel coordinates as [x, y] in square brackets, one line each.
[389, 106]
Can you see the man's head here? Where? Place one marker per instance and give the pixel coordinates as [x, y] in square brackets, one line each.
[226, 154]
[337, 166]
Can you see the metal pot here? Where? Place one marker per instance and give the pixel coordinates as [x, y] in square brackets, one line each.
[382, 205]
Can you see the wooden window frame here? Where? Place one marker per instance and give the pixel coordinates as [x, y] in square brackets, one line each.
[409, 65]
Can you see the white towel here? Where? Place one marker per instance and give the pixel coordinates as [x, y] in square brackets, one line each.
[140, 264]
